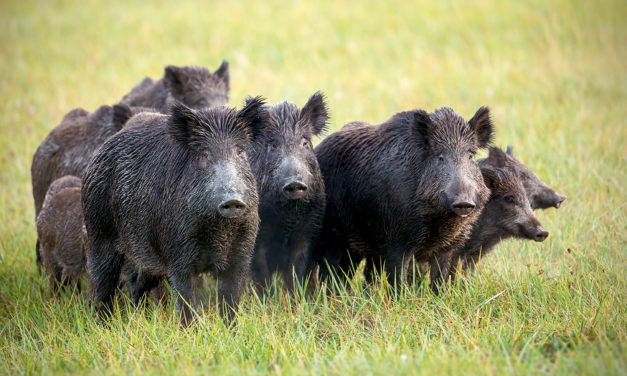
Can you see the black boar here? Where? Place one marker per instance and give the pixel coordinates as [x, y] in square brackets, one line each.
[507, 214]
[195, 87]
[70, 145]
[60, 233]
[408, 187]
[176, 197]
[539, 194]
[291, 191]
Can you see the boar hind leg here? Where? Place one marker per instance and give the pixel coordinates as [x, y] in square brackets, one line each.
[182, 285]
[38, 255]
[104, 265]
[141, 283]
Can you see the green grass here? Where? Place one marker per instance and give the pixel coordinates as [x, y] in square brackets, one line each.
[554, 74]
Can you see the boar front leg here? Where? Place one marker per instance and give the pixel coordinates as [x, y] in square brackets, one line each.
[181, 281]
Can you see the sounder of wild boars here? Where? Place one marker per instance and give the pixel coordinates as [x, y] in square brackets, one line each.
[69, 146]
[507, 214]
[60, 233]
[540, 195]
[291, 191]
[407, 187]
[195, 87]
[175, 196]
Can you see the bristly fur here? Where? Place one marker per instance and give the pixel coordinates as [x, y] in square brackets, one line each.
[288, 227]
[195, 87]
[152, 196]
[390, 190]
[195, 127]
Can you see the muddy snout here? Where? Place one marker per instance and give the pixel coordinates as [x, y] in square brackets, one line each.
[463, 208]
[295, 189]
[233, 208]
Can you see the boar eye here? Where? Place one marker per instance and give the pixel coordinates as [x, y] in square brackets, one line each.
[205, 155]
[273, 146]
[240, 152]
[305, 143]
[509, 199]
[471, 156]
[441, 158]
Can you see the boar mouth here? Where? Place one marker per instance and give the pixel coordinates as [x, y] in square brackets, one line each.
[559, 201]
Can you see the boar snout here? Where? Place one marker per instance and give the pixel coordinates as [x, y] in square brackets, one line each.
[559, 201]
[541, 234]
[463, 207]
[232, 208]
[295, 190]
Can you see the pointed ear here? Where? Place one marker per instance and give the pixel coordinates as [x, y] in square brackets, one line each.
[496, 157]
[421, 126]
[490, 177]
[183, 120]
[482, 125]
[121, 114]
[316, 113]
[253, 116]
[173, 77]
[223, 72]
[510, 150]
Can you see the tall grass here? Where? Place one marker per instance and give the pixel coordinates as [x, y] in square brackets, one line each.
[554, 75]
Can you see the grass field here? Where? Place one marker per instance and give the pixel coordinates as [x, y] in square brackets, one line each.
[554, 74]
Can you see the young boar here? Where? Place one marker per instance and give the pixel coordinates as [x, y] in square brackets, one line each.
[291, 191]
[176, 197]
[409, 187]
[70, 145]
[539, 194]
[195, 87]
[60, 233]
[507, 214]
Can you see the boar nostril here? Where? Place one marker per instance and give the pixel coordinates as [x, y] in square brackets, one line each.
[295, 190]
[463, 208]
[232, 208]
[540, 235]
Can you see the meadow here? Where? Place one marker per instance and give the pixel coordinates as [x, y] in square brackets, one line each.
[554, 75]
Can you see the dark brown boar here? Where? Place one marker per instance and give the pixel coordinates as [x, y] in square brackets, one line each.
[195, 87]
[60, 233]
[409, 187]
[176, 197]
[291, 192]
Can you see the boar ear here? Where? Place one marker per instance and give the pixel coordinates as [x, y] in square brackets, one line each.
[121, 114]
[490, 177]
[173, 77]
[182, 122]
[223, 72]
[510, 150]
[496, 157]
[482, 125]
[316, 113]
[253, 115]
[422, 125]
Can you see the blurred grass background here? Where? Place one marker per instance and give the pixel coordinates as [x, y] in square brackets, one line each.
[554, 74]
